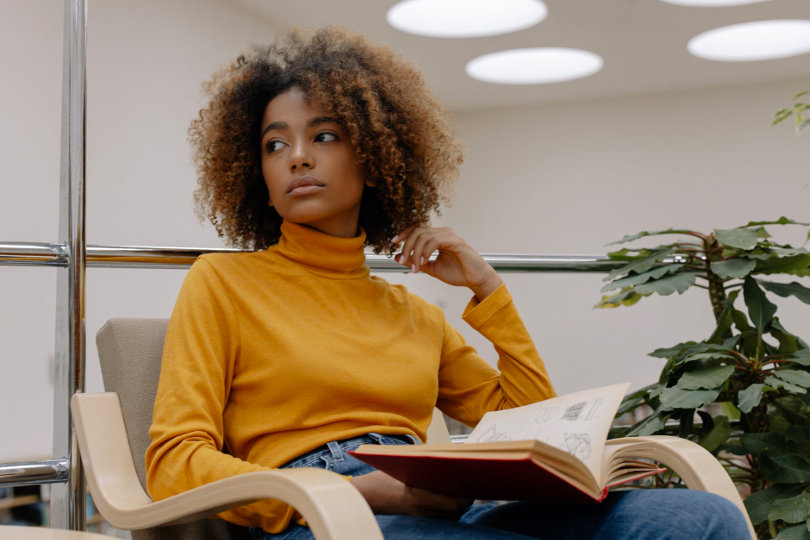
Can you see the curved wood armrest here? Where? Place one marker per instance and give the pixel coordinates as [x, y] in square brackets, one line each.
[696, 465]
[333, 508]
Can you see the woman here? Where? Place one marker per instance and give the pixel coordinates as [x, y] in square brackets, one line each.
[293, 354]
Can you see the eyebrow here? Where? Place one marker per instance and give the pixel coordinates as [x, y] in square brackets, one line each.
[312, 123]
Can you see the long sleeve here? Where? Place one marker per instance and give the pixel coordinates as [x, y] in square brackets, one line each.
[468, 386]
[202, 348]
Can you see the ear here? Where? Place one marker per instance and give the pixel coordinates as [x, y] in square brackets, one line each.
[371, 182]
[270, 202]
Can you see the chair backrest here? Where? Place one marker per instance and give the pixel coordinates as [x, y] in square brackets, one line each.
[130, 352]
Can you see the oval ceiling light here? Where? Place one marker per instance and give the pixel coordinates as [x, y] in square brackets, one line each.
[713, 3]
[534, 66]
[760, 40]
[465, 18]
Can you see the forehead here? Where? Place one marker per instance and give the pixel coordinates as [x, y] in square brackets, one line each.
[290, 106]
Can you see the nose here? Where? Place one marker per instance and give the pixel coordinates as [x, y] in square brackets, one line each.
[301, 157]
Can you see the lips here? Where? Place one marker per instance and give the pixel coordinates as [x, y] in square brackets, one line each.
[304, 185]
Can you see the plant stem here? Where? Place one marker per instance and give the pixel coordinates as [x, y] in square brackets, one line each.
[717, 292]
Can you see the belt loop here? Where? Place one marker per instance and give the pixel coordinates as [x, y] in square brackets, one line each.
[335, 450]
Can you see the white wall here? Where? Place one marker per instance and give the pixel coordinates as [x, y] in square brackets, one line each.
[146, 62]
[570, 178]
[552, 179]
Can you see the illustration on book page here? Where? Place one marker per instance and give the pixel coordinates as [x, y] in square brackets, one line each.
[571, 422]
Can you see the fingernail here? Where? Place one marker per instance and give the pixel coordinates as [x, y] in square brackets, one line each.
[413, 268]
[395, 239]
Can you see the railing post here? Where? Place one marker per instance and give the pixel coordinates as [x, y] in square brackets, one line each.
[68, 499]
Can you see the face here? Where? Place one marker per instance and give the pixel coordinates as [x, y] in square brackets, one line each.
[309, 166]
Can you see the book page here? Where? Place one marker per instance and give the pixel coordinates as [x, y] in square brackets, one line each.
[576, 423]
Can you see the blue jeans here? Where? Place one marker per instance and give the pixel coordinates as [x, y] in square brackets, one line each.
[631, 515]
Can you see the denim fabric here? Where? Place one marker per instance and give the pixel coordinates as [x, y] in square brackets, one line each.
[664, 514]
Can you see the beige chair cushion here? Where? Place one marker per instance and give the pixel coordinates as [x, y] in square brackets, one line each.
[130, 352]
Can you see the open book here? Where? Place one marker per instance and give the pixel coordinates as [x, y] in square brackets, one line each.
[553, 450]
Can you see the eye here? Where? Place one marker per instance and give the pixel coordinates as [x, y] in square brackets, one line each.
[272, 146]
[326, 136]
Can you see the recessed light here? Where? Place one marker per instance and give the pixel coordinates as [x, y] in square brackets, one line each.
[534, 66]
[465, 18]
[713, 3]
[760, 40]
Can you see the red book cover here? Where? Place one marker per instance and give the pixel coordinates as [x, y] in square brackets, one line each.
[518, 477]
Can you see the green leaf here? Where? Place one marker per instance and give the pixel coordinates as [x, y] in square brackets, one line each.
[736, 238]
[748, 398]
[770, 443]
[687, 348]
[798, 265]
[668, 285]
[801, 357]
[788, 251]
[781, 383]
[788, 343]
[723, 326]
[676, 398]
[798, 434]
[655, 273]
[786, 469]
[626, 254]
[718, 434]
[781, 221]
[760, 309]
[649, 426]
[639, 266]
[643, 234]
[724, 323]
[787, 289]
[741, 321]
[759, 503]
[788, 410]
[733, 268]
[623, 298]
[794, 376]
[720, 355]
[762, 233]
[730, 410]
[791, 510]
[708, 378]
[796, 532]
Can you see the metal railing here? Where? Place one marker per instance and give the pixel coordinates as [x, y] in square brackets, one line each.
[71, 256]
[46, 254]
[61, 471]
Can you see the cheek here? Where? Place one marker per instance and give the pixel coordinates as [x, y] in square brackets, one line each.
[268, 175]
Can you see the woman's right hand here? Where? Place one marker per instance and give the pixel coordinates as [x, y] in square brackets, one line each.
[387, 495]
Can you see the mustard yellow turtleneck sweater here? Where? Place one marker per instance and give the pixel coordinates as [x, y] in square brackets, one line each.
[274, 353]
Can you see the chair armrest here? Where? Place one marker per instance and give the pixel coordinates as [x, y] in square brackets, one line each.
[333, 508]
[698, 468]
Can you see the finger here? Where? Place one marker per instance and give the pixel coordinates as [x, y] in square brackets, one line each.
[431, 246]
[402, 235]
[399, 240]
[405, 257]
[420, 252]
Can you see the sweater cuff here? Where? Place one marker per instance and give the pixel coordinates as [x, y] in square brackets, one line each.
[478, 313]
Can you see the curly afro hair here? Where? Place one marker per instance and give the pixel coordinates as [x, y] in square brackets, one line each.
[401, 135]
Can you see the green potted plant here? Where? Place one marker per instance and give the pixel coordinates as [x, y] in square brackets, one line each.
[741, 391]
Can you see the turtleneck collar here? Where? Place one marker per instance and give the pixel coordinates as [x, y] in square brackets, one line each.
[322, 253]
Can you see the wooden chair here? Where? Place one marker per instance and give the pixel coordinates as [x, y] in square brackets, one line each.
[112, 431]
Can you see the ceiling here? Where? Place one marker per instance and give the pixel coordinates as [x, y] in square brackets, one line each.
[643, 44]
